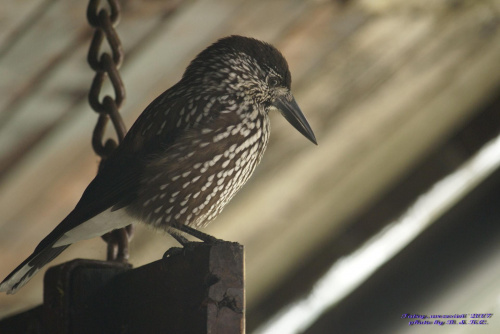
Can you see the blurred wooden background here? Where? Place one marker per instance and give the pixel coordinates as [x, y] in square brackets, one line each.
[382, 83]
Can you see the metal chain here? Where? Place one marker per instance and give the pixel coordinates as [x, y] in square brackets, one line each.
[106, 66]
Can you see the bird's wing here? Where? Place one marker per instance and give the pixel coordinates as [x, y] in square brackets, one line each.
[101, 207]
[160, 123]
[117, 183]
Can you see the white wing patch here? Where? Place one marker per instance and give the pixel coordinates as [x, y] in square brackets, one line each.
[101, 224]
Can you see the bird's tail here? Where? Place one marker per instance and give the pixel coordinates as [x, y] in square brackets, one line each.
[23, 273]
[78, 225]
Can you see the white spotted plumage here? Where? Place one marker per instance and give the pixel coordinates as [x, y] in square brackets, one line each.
[188, 153]
[220, 174]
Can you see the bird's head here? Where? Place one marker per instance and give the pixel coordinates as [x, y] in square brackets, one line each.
[249, 69]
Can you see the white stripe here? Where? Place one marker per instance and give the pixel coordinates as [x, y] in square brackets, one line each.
[95, 227]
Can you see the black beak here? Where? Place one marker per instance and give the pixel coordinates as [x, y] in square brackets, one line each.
[291, 111]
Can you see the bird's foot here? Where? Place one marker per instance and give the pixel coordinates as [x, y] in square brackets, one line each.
[179, 237]
[206, 238]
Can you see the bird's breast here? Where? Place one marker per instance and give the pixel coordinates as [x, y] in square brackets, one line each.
[192, 181]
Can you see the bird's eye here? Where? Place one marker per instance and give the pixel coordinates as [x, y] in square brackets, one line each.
[273, 82]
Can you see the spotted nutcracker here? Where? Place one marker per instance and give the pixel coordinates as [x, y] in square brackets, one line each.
[187, 154]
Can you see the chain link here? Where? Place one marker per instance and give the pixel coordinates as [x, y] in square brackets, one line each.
[106, 66]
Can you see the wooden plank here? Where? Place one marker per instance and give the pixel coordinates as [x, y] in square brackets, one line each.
[27, 322]
[197, 289]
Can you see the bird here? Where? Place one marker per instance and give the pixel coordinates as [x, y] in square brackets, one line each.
[186, 155]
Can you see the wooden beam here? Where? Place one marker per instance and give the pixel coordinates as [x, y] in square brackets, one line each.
[196, 289]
